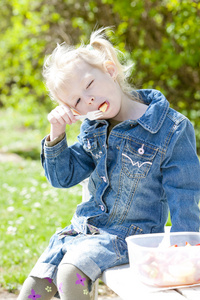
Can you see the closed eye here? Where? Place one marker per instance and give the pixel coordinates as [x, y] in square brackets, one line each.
[90, 84]
[77, 102]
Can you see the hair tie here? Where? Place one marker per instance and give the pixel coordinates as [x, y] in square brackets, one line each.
[89, 47]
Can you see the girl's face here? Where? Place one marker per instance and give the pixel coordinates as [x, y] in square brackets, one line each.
[90, 87]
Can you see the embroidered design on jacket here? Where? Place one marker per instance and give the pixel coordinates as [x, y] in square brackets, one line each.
[137, 163]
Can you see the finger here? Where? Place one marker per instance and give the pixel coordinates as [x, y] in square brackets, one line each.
[51, 118]
[61, 118]
[70, 113]
[55, 117]
[63, 114]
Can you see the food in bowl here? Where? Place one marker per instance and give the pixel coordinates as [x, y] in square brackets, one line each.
[165, 263]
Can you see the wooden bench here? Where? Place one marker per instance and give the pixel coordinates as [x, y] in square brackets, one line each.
[126, 284]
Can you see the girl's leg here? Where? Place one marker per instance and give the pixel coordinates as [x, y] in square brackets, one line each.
[72, 283]
[36, 288]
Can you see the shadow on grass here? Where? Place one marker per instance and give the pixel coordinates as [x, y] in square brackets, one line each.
[33, 153]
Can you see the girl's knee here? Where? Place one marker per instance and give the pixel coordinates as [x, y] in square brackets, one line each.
[69, 273]
[72, 283]
[35, 287]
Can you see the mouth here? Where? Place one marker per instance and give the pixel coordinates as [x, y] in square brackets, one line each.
[104, 106]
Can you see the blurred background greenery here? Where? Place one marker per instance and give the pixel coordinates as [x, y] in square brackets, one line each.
[159, 37]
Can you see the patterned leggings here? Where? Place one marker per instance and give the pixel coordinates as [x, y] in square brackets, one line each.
[72, 284]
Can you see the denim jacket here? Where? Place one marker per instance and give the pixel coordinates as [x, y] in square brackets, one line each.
[143, 169]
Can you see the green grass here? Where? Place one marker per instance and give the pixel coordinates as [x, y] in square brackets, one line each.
[31, 210]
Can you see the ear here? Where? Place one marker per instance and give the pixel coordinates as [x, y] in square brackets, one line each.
[111, 68]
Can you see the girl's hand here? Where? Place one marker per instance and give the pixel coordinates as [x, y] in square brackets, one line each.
[59, 117]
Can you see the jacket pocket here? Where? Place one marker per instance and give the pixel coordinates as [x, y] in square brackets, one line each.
[137, 158]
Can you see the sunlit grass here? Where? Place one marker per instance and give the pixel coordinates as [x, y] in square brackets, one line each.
[30, 209]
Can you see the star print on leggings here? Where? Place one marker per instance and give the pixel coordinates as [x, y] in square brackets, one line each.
[85, 292]
[49, 279]
[80, 279]
[60, 288]
[33, 295]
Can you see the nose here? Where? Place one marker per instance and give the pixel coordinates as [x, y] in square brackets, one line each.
[89, 100]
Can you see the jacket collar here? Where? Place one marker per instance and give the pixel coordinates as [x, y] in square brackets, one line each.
[156, 112]
[153, 118]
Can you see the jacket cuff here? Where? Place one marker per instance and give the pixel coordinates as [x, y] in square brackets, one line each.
[49, 143]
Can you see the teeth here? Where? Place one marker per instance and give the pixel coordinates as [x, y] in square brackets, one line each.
[103, 107]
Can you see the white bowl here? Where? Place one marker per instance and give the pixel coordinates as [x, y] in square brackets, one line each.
[160, 263]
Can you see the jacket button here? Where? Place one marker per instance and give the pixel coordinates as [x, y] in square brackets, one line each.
[104, 178]
[133, 125]
[102, 207]
[141, 150]
[88, 144]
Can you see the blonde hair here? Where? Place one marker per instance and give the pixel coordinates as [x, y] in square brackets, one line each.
[57, 72]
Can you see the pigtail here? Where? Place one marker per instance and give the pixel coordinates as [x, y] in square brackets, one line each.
[98, 41]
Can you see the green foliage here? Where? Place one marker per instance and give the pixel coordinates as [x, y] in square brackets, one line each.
[22, 51]
[160, 38]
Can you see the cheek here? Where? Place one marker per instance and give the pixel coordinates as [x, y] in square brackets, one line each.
[114, 110]
[83, 110]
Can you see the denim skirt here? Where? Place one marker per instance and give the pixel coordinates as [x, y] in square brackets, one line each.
[91, 253]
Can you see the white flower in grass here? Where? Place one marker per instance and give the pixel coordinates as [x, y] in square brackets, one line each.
[11, 230]
[10, 208]
[37, 204]
[32, 189]
[31, 227]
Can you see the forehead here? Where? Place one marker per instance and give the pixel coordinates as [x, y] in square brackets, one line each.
[80, 69]
[79, 73]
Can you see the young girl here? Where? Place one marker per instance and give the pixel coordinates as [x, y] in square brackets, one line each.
[139, 156]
